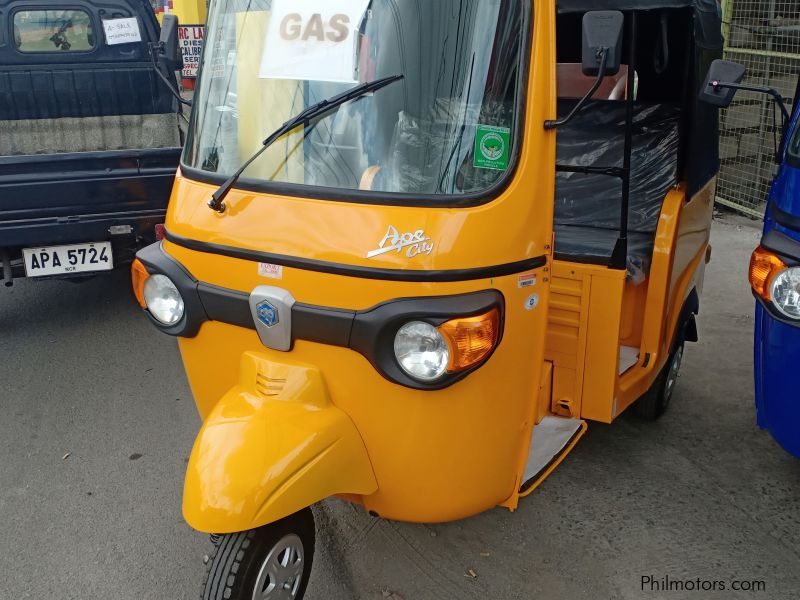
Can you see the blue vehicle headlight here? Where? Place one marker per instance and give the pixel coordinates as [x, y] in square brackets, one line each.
[785, 292]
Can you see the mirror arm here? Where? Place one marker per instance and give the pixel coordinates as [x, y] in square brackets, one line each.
[601, 72]
[157, 49]
[755, 88]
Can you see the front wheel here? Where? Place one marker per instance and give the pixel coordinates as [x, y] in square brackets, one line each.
[269, 563]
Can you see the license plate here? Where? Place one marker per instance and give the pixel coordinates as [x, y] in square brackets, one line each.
[64, 260]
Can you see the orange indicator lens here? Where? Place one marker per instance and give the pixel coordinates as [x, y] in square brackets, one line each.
[471, 339]
[764, 267]
[139, 275]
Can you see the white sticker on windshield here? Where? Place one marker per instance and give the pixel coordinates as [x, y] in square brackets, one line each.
[122, 31]
[312, 40]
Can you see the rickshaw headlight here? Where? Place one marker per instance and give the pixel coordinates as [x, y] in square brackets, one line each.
[163, 299]
[422, 351]
[785, 292]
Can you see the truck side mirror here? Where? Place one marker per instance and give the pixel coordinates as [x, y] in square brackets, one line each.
[169, 52]
[719, 87]
[602, 31]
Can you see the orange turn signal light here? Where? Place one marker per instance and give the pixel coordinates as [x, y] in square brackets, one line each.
[139, 275]
[471, 339]
[764, 267]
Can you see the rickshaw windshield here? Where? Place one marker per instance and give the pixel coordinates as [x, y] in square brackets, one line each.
[447, 128]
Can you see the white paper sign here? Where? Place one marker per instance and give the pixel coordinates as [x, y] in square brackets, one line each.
[312, 40]
[122, 31]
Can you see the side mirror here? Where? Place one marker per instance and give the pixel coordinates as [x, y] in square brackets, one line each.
[602, 29]
[169, 52]
[719, 87]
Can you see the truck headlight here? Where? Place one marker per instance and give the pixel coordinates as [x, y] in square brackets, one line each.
[163, 299]
[421, 351]
[785, 292]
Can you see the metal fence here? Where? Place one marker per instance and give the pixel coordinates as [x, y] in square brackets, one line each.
[764, 36]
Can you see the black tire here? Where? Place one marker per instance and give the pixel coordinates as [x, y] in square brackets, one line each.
[656, 400]
[235, 566]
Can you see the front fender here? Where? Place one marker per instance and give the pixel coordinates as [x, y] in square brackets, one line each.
[274, 444]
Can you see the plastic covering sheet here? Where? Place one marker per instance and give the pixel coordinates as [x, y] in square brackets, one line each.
[433, 153]
[587, 206]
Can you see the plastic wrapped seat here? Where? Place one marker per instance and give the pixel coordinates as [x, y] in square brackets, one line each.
[587, 206]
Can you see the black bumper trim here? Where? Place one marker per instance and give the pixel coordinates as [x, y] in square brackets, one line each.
[370, 332]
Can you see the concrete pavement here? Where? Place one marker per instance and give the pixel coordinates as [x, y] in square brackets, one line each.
[702, 493]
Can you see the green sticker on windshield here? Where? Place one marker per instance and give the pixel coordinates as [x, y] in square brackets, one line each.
[492, 145]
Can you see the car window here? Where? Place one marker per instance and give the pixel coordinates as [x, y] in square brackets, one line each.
[53, 31]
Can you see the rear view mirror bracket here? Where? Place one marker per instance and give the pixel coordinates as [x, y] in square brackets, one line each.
[601, 73]
[601, 54]
[724, 79]
[166, 55]
[717, 85]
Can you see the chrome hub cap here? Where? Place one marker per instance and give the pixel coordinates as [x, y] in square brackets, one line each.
[672, 376]
[282, 572]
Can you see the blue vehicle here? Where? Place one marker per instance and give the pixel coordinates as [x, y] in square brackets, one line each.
[774, 271]
[775, 278]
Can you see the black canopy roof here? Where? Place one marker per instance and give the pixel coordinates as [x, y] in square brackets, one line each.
[707, 29]
[572, 6]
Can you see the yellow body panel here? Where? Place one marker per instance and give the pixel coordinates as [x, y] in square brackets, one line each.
[272, 444]
[436, 455]
[595, 310]
[583, 339]
[682, 241]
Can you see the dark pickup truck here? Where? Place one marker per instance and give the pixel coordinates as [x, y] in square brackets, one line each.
[90, 136]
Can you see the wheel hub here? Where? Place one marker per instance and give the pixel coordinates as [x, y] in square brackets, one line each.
[672, 375]
[282, 570]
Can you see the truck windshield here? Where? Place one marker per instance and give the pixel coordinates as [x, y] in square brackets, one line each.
[447, 128]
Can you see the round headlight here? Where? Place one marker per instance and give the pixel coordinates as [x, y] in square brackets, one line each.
[163, 299]
[785, 292]
[421, 351]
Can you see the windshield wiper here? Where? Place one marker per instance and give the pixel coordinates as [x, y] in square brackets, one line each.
[312, 113]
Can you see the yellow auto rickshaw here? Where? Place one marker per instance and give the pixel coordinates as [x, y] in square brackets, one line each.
[413, 247]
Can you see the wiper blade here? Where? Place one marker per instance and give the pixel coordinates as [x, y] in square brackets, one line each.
[312, 113]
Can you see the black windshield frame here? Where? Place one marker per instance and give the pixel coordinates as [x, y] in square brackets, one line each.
[354, 196]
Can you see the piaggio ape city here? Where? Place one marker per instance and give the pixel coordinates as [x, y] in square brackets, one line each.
[473, 226]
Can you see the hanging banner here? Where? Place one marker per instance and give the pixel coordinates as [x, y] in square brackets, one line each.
[190, 40]
[312, 40]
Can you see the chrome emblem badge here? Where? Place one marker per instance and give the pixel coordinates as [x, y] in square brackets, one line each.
[413, 242]
[267, 313]
[271, 309]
